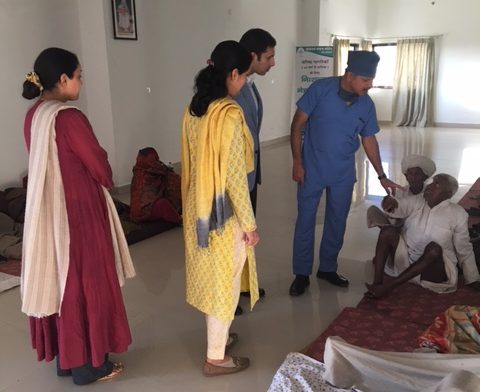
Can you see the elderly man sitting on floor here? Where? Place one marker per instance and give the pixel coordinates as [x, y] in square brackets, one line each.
[417, 169]
[433, 241]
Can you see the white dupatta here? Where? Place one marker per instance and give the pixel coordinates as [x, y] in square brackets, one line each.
[46, 237]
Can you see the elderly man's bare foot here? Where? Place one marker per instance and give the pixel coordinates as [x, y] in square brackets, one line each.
[475, 285]
[376, 291]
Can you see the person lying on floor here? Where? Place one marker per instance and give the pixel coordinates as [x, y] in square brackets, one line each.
[417, 169]
[433, 241]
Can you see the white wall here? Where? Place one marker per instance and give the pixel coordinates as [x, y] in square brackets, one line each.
[96, 87]
[131, 104]
[175, 38]
[308, 22]
[458, 51]
[26, 28]
[182, 35]
[343, 17]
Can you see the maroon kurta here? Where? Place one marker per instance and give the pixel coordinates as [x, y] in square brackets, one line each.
[93, 321]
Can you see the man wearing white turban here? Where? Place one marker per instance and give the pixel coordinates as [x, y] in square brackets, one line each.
[433, 244]
[418, 161]
[417, 169]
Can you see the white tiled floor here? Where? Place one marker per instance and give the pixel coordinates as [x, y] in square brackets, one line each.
[169, 336]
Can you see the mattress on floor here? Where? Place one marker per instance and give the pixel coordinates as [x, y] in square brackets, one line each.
[368, 329]
[413, 303]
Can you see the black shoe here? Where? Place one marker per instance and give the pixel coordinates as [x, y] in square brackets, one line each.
[299, 285]
[333, 278]
[261, 293]
[238, 311]
[62, 372]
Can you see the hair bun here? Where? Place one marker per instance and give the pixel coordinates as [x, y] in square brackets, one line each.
[32, 77]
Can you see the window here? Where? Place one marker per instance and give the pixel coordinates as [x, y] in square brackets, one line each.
[470, 161]
[386, 66]
[375, 189]
[354, 46]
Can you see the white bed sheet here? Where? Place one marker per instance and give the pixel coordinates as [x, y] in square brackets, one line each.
[299, 373]
[349, 366]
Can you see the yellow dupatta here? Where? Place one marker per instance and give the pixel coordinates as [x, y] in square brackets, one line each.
[215, 134]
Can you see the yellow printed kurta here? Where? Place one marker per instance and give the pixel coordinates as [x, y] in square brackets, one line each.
[209, 271]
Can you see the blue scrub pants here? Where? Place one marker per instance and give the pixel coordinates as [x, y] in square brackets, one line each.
[339, 198]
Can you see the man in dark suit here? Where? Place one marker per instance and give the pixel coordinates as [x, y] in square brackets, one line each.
[261, 45]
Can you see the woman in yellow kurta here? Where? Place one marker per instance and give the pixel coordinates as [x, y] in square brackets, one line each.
[219, 224]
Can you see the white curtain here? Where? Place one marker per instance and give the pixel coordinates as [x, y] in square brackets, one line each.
[366, 44]
[340, 55]
[408, 141]
[413, 91]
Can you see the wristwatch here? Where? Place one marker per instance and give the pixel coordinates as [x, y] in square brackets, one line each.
[382, 176]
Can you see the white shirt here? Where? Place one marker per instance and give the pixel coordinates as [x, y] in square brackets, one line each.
[445, 224]
[404, 192]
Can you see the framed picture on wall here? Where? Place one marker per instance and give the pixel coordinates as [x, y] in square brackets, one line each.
[124, 19]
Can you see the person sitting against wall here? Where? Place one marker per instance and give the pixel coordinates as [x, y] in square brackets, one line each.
[434, 241]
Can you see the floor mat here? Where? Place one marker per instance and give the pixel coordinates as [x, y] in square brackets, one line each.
[413, 303]
[368, 329]
[135, 232]
[11, 267]
[393, 322]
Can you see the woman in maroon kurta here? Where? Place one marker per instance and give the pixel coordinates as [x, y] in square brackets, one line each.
[92, 320]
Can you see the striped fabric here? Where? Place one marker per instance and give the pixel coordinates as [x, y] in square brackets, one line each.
[46, 239]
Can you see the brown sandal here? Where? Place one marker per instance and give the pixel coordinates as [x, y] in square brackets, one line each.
[117, 369]
[232, 339]
[237, 364]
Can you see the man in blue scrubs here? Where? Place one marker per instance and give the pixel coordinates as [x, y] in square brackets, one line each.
[334, 114]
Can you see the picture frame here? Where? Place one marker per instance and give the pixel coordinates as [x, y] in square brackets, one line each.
[124, 19]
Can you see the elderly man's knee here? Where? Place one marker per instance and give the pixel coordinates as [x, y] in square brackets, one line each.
[434, 251]
[388, 233]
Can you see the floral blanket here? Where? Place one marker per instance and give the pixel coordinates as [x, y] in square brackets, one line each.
[457, 330]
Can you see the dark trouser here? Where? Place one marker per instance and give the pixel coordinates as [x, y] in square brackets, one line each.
[253, 198]
[86, 374]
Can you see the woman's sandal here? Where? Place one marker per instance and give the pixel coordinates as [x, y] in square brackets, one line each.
[234, 365]
[232, 339]
[117, 369]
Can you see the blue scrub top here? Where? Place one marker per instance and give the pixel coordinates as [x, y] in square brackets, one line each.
[332, 131]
